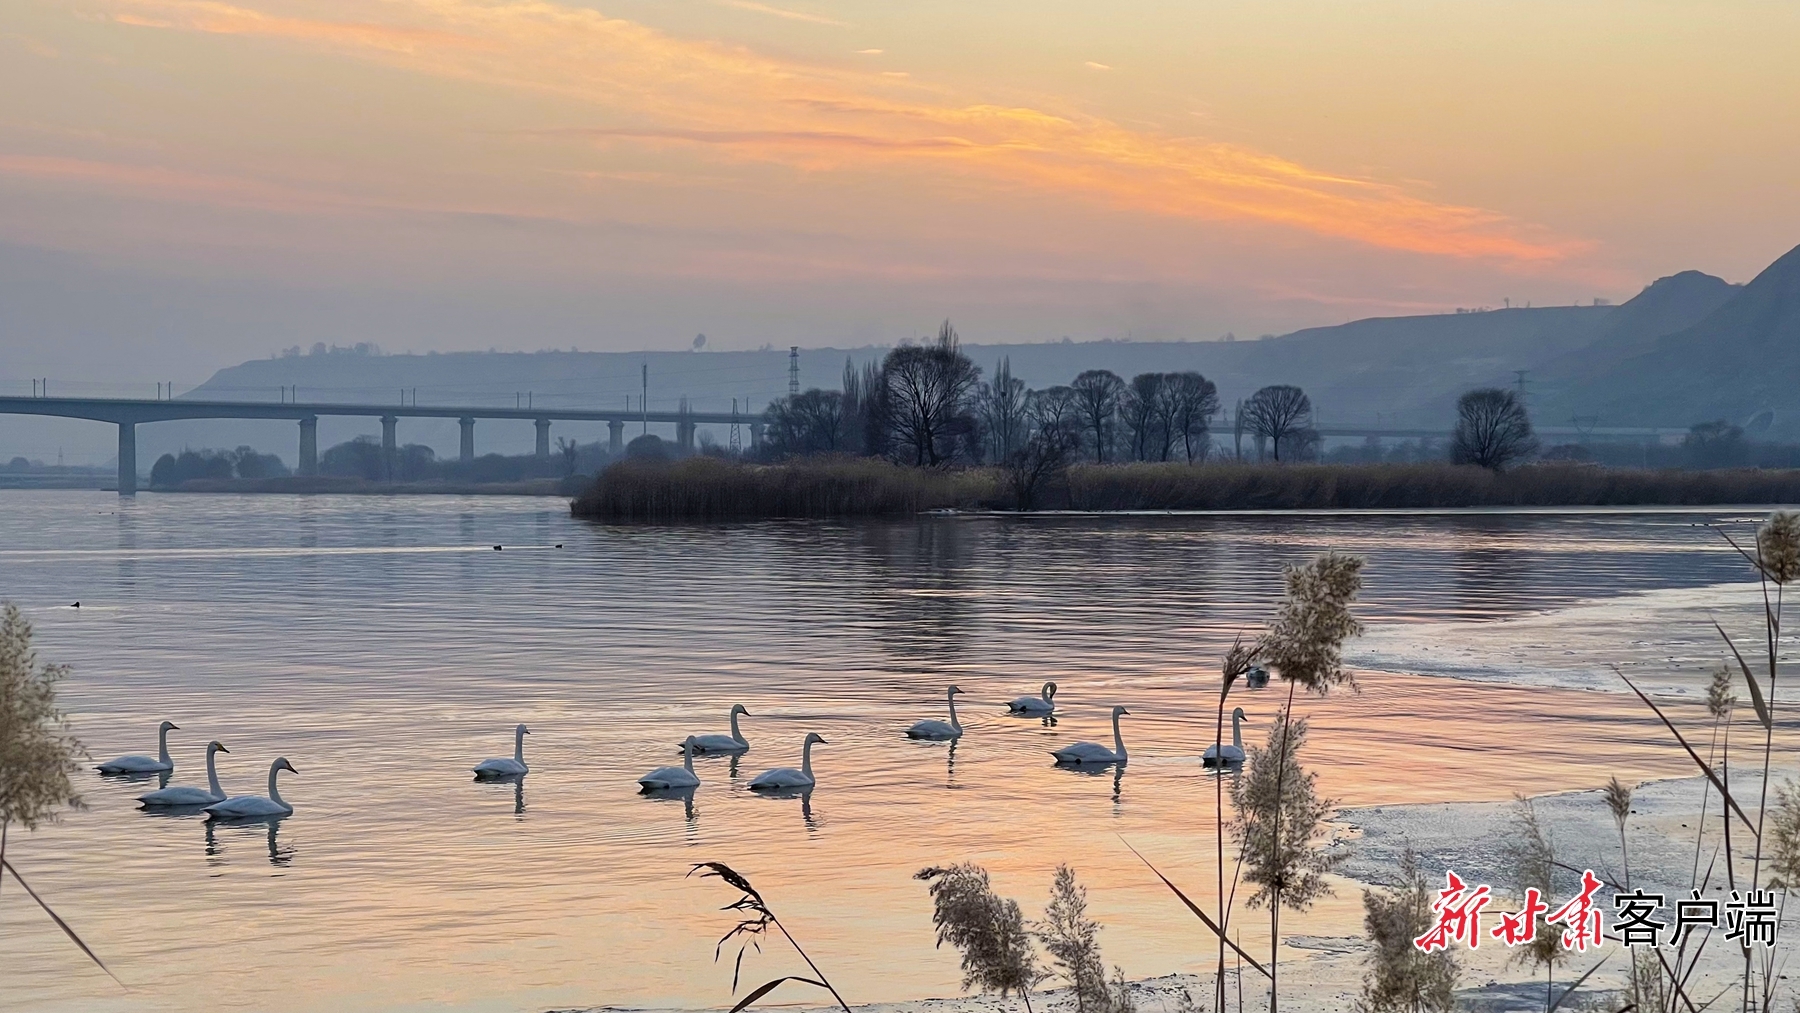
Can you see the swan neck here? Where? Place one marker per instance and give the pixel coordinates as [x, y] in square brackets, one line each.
[274, 793]
[1237, 732]
[806, 760]
[953, 721]
[687, 755]
[519, 745]
[162, 746]
[737, 736]
[1118, 739]
[212, 773]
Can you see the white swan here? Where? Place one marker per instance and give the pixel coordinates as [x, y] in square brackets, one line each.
[1088, 752]
[503, 767]
[939, 730]
[1233, 753]
[1035, 704]
[788, 777]
[192, 796]
[256, 805]
[663, 778]
[735, 743]
[139, 764]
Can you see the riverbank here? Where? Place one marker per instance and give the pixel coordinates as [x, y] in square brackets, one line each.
[704, 489]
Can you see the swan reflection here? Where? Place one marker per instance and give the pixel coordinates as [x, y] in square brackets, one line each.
[514, 781]
[684, 795]
[280, 857]
[802, 792]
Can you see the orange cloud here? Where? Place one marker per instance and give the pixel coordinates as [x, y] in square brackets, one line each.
[822, 118]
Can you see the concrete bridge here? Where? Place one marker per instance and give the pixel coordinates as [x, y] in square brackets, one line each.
[129, 413]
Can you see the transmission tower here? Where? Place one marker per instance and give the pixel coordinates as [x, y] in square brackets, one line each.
[737, 443]
[793, 370]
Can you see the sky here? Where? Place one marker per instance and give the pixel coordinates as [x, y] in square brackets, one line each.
[185, 184]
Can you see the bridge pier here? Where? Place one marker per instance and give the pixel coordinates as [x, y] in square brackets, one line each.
[756, 435]
[309, 445]
[128, 459]
[615, 439]
[468, 438]
[543, 439]
[390, 447]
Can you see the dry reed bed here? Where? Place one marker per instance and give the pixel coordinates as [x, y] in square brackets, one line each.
[1376, 486]
[703, 489]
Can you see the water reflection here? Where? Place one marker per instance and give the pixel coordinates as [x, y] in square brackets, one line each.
[683, 795]
[280, 857]
[514, 781]
[803, 794]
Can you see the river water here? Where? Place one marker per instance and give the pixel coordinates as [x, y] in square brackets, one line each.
[384, 646]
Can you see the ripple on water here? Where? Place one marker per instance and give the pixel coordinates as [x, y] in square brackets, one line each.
[385, 648]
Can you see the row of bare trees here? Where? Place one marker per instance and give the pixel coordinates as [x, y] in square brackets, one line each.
[927, 405]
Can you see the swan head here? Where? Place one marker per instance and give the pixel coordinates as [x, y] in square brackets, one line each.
[1049, 690]
[738, 708]
[955, 690]
[167, 726]
[522, 730]
[1119, 712]
[281, 763]
[215, 746]
[1237, 713]
[812, 737]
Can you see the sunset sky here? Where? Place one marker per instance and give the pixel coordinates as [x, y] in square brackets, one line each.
[187, 183]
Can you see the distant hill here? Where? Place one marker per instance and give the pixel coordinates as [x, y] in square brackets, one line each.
[1740, 362]
[1689, 347]
[1406, 368]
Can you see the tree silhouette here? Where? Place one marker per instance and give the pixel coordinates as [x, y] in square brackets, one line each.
[1492, 429]
[1277, 412]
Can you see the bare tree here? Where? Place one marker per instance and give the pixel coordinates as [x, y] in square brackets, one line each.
[1045, 456]
[1277, 412]
[1056, 405]
[570, 452]
[811, 422]
[1097, 393]
[1141, 410]
[1193, 401]
[927, 390]
[1001, 406]
[1492, 429]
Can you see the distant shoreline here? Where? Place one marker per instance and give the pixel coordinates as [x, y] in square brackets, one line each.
[321, 485]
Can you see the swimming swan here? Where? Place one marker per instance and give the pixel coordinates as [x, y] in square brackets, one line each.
[503, 767]
[256, 805]
[663, 778]
[733, 744]
[139, 764]
[192, 796]
[1088, 752]
[1035, 704]
[788, 777]
[939, 730]
[1234, 753]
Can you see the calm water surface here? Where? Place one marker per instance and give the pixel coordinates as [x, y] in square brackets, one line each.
[384, 647]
